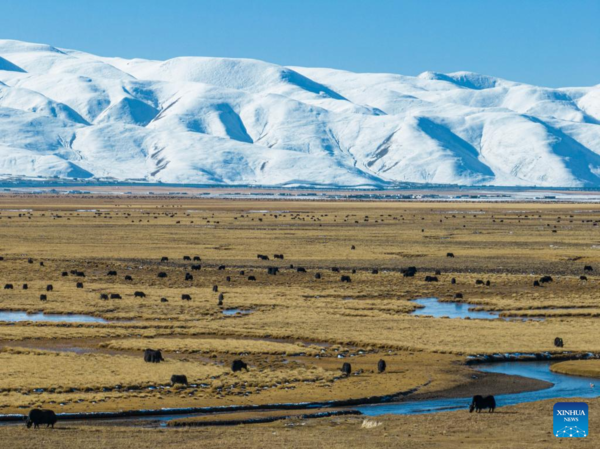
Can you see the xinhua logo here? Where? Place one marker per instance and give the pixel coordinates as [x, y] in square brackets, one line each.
[570, 420]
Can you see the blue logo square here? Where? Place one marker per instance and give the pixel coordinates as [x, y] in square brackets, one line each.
[570, 420]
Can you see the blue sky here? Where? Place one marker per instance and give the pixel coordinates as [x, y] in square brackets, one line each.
[545, 42]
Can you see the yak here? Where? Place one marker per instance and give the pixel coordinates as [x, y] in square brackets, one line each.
[536, 284]
[8, 287]
[238, 365]
[345, 278]
[187, 258]
[317, 275]
[103, 296]
[453, 281]
[374, 271]
[221, 267]
[152, 356]
[39, 416]
[64, 273]
[25, 286]
[479, 403]
[162, 274]
[335, 269]
[588, 268]
[196, 267]
[164, 300]
[186, 297]
[215, 288]
[252, 278]
[111, 273]
[139, 295]
[79, 285]
[115, 296]
[301, 270]
[43, 297]
[449, 254]
[458, 296]
[221, 298]
[178, 379]
[478, 282]
[346, 369]
[49, 288]
[128, 278]
[381, 366]
[558, 342]
[164, 259]
[189, 277]
[431, 279]
[272, 270]
[583, 278]
[197, 259]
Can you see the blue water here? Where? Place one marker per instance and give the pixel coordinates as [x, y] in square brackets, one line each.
[433, 307]
[564, 387]
[230, 312]
[23, 316]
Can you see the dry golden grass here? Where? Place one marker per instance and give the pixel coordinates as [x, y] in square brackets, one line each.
[509, 244]
[585, 368]
[522, 426]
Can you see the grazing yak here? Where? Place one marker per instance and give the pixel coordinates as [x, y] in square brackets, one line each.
[458, 296]
[79, 285]
[215, 288]
[189, 277]
[583, 278]
[162, 274]
[278, 256]
[335, 269]
[251, 278]
[301, 270]
[64, 273]
[139, 295]
[186, 297]
[453, 281]
[479, 403]
[588, 268]
[178, 379]
[164, 300]
[536, 284]
[545, 279]
[345, 278]
[409, 272]
[238, 365]
[228, 279]
[25, 286]
[558, 342]
[128, 278]
[164, 259]
[272, 270]
[152, 356]
[111, 273]
[221, 298]
[80, 274]
[479, 282]
[431, 279]
[187, 258]
[263, 257]
[381, 366]
[353, 247]
[103, 296]
[30, 260]
[38, 416]
[43, 297]
[374, 271]
[197, 259]
[196, 267]
[8, 287]
[488, 283]
[438, 272]
[242, 273]
[449, 254]
[115, 296]
[354, 271]
[346, 369]
[221, 267]
[49, 288]
[317, 275]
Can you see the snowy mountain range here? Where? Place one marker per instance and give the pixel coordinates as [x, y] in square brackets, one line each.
[218, 121]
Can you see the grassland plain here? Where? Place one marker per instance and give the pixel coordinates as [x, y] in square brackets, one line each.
[300, 329]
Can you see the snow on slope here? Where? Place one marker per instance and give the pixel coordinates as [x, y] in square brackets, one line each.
[224, 121]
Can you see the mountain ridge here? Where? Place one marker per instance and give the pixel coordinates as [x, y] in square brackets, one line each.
[226, 121]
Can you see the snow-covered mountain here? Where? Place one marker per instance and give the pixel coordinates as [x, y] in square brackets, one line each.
[65, 113]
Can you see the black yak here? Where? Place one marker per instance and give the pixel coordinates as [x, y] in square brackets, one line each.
[152, 356]
[346, 369]
[8, 287]
[49, 288]
[583, 278]
[189, 277]
[79, 285]
[25, 286]
[38, 416]
[103, 296]
[238, 365]
[449, 254]
[558, 342]
[139, 295]
[128, 278]
[115, 296]
[186, 297]
[431, 279]
[221, 298]
[164, 259]
[43, 297]
[381, 366]
[251, 278]
[162, 274]
[179, 379]
[453, 281]
[317, 275]
[196, 267]
[164, 300]
[588, 268]
[345, 278]
[301, 270]
[215, 288]
[111, 273]
[187, 258]
[479, 403]
[536, 284]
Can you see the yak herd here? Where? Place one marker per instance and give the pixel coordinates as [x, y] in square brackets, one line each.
[39, 417]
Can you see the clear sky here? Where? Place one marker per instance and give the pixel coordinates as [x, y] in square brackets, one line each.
[545, 42]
